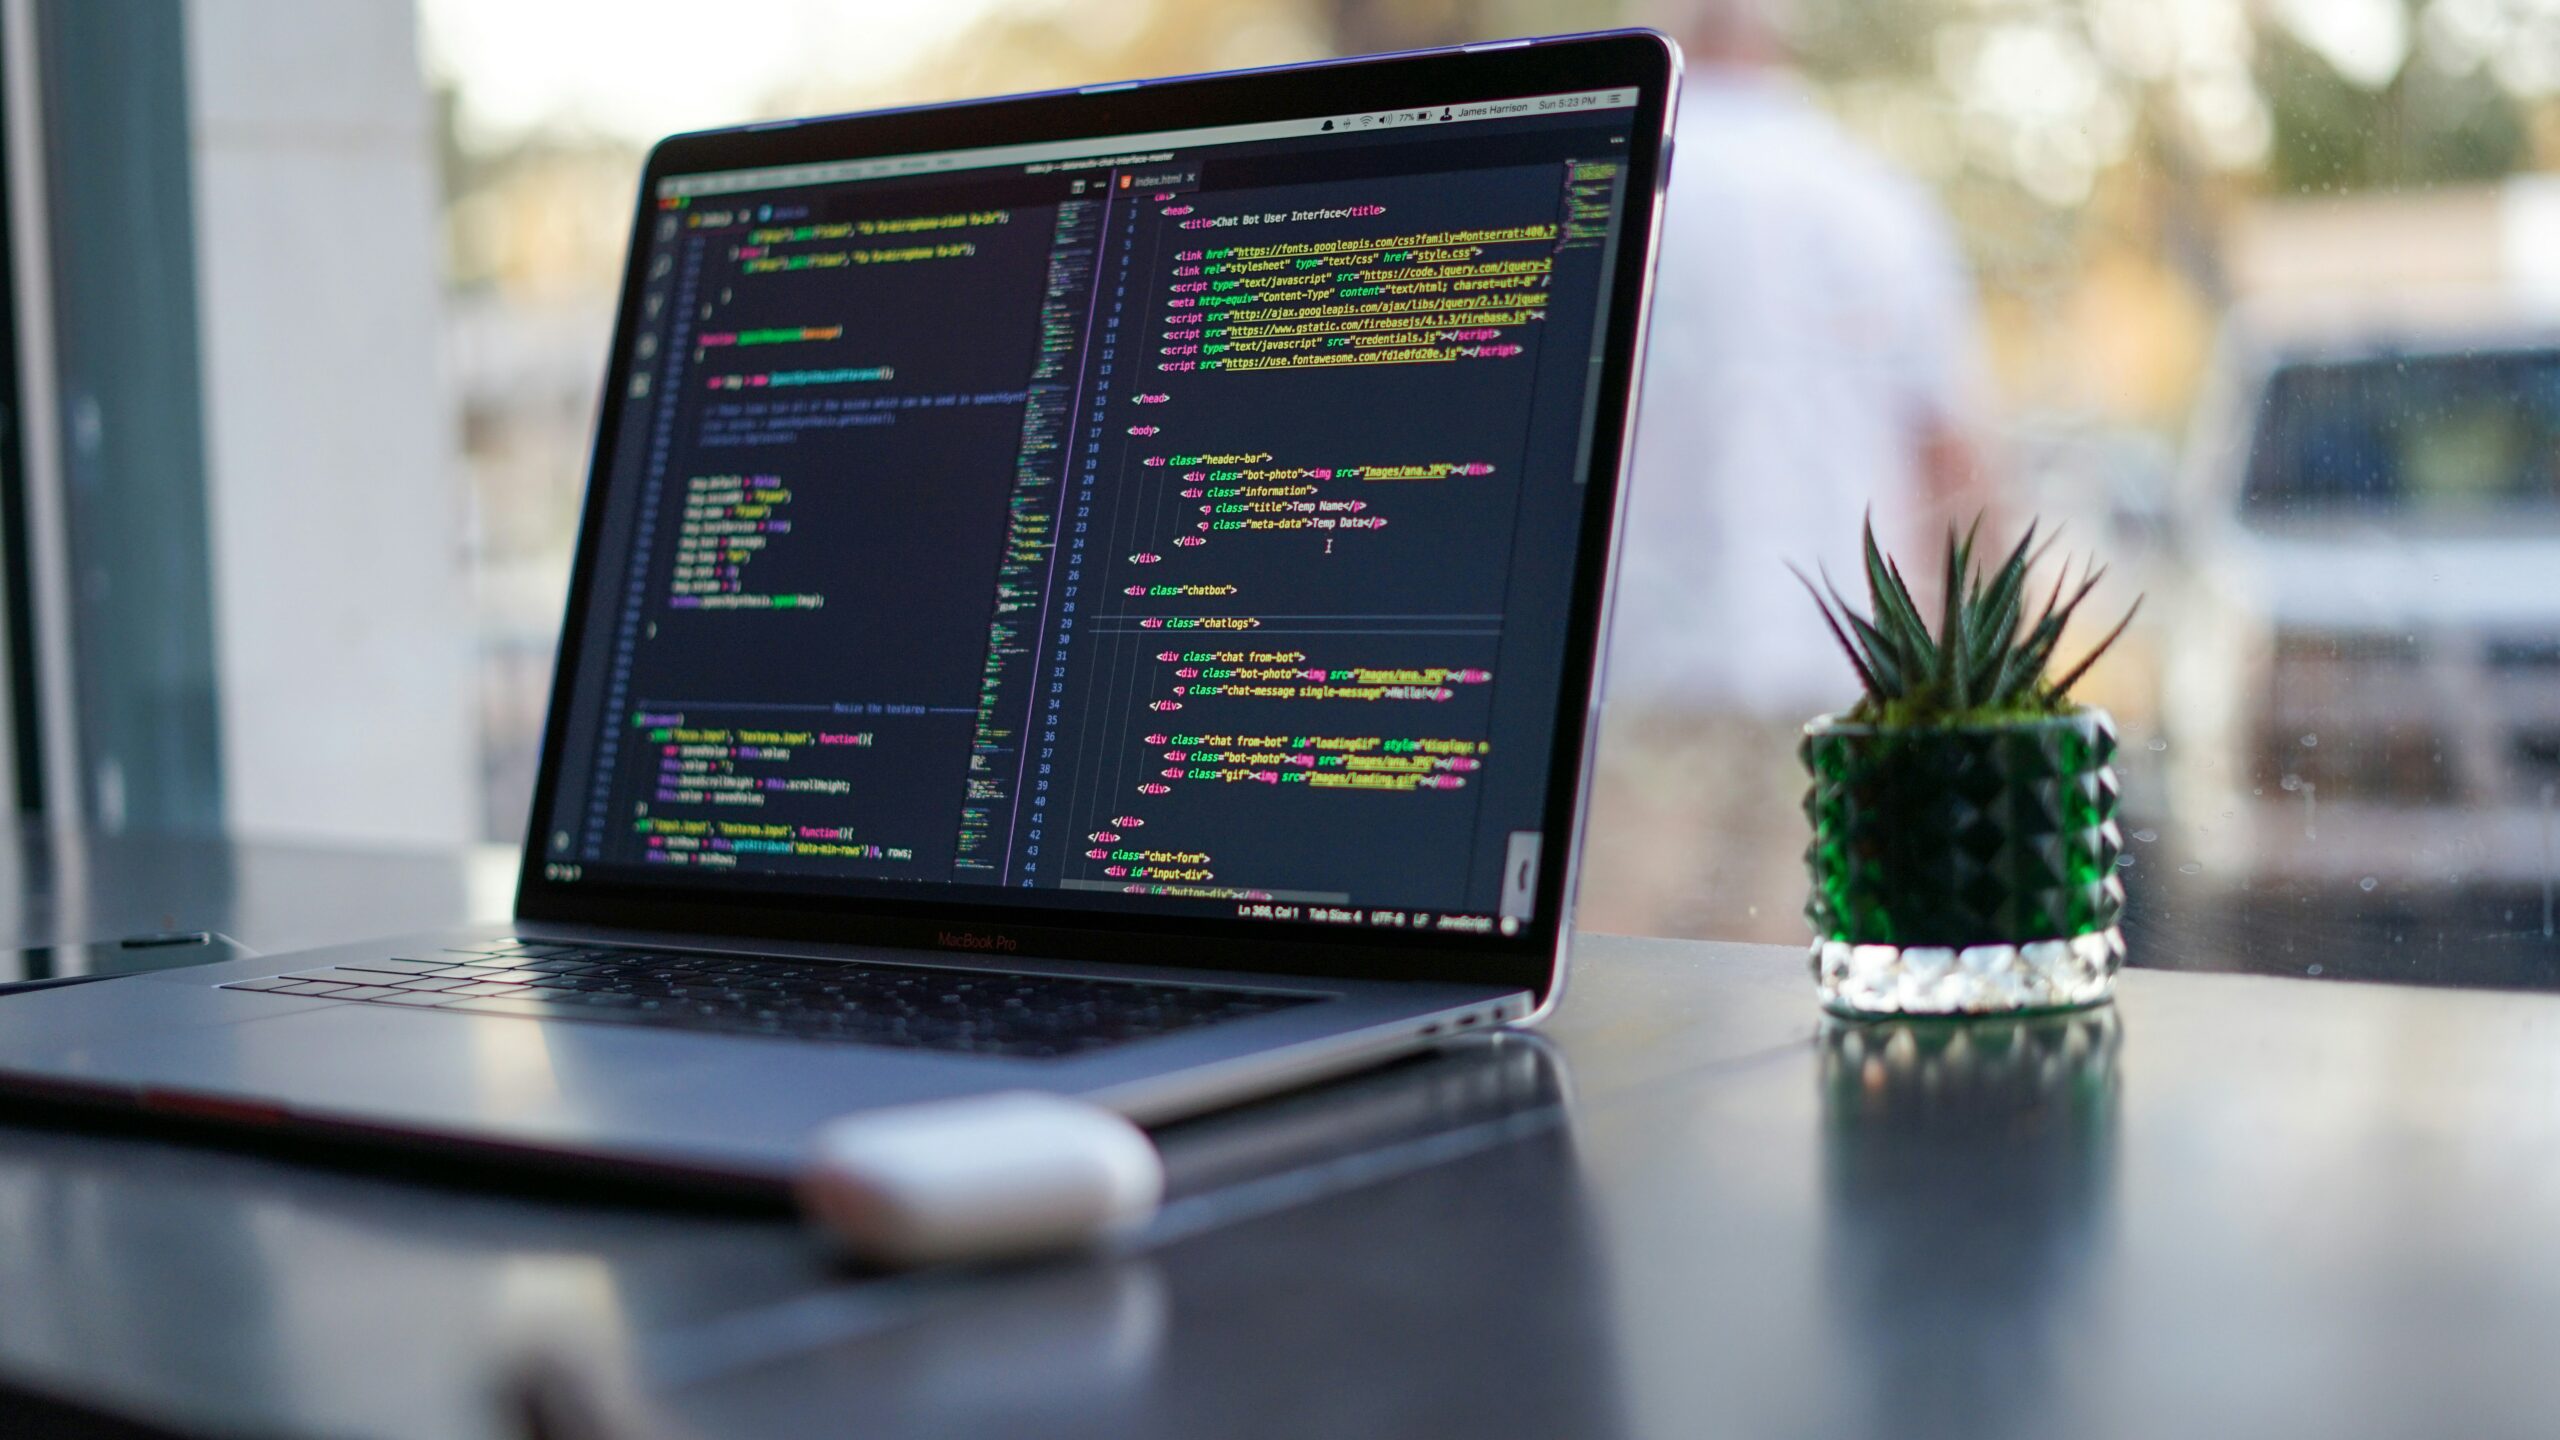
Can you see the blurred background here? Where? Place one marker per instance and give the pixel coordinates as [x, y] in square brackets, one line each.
[2259, 299]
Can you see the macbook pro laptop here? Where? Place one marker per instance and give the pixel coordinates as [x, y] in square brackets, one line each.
[1097, 591]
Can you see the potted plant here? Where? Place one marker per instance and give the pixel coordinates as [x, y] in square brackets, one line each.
[1964, 809]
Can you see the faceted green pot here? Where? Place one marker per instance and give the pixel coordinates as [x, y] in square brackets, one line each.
[1965, 869]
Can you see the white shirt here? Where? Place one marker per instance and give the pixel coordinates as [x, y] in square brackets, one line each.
[1812, 321]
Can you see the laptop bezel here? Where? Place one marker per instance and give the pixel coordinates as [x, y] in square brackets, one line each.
[1635, 59]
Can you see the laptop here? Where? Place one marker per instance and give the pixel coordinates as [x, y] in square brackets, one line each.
[1096, 591]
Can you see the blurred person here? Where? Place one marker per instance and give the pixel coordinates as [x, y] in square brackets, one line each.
[1813, 356]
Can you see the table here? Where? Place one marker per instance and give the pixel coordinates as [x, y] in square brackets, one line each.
[2228, 1205]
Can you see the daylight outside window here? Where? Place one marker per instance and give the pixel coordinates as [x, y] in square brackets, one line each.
[2256, 301]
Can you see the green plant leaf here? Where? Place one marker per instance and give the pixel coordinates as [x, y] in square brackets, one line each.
[1866, 675]
[2063, 686]
[1986, 657]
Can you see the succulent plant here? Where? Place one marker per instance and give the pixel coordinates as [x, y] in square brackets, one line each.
[1986, 661]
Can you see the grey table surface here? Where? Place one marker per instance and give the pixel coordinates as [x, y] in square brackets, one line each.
[2227, 1205]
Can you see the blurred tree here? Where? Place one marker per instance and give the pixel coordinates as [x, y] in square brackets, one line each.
[1079, 43]
[1368, 26]
[2425, 127]
[1858, 38]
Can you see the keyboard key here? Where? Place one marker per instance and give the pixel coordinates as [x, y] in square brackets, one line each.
[350, 975]
[607, 1000]
[394, 967]
[903, 1006]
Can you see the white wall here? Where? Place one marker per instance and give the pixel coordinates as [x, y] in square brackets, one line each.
[342, 617]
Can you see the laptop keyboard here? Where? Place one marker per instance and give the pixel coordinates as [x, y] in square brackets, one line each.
[864, 1003]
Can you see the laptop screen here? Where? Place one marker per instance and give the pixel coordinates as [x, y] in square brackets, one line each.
[1180, 523]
